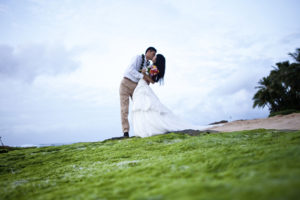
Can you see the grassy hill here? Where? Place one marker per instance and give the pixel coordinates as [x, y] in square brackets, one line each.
[258, 164]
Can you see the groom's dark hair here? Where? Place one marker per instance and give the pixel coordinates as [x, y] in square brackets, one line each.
[150, 49]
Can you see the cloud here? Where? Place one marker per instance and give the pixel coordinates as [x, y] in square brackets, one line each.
[30, 61]
[3, 9]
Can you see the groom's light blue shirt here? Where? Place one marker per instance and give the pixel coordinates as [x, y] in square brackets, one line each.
[132, 71]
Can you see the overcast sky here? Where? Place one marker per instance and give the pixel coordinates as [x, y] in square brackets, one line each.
[61, 61]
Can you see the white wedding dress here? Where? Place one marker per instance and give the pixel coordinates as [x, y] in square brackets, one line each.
[150, 117]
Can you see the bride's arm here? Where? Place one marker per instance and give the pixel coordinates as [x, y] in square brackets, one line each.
[147, 78]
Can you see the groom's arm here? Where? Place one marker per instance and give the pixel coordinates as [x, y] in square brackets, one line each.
[134, 68]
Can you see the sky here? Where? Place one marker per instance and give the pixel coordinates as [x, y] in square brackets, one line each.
[61, 61]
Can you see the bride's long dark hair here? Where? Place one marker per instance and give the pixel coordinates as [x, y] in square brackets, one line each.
[161, 66]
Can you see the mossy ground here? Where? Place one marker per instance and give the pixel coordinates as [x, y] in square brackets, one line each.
[258, 164]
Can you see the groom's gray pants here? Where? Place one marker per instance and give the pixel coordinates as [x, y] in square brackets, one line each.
[126, 90]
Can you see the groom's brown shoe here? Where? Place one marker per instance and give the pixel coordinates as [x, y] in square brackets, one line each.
[126, 135]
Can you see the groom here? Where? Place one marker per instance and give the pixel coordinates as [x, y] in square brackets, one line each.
[131, 77]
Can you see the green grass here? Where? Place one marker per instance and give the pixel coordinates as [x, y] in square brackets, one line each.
[258, 164]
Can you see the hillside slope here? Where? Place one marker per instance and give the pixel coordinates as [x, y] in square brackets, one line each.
[262, 164]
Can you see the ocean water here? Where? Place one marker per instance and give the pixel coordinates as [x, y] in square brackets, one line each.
[44, 145]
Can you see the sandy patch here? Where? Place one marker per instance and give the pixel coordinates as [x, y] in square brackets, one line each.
[291, 122]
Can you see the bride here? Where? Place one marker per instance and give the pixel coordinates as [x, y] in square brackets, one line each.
[149, 115]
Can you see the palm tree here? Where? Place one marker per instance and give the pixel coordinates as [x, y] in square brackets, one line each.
[281, 89]
[262, 97]
[296, 55]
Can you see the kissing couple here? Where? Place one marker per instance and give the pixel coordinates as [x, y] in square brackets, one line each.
[149, 116]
